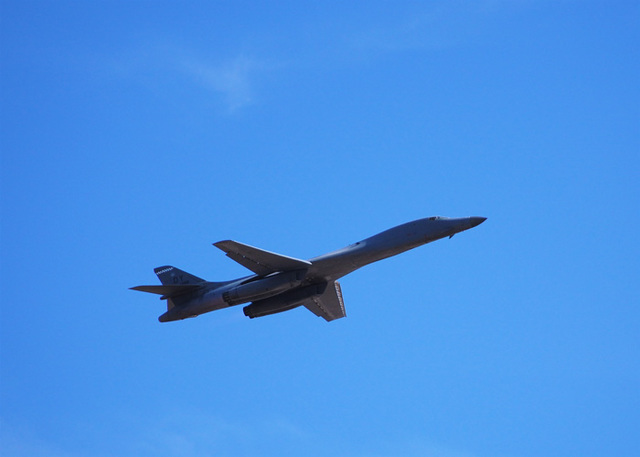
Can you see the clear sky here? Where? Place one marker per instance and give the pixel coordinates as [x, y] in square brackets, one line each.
[135, 134]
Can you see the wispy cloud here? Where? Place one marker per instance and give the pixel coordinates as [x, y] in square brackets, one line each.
[200, 434]
[437, 25]
[22, 442]
[230, 81]
[193, 434]
[418, 447]
[197, 433]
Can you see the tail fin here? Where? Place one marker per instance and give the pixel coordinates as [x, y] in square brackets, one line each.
[169, 275]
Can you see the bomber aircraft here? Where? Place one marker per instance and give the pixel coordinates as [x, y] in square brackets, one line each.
[281, 283]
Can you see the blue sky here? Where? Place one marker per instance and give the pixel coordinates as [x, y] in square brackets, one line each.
[135, 134]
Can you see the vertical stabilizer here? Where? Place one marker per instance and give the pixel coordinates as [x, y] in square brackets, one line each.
[169, 275]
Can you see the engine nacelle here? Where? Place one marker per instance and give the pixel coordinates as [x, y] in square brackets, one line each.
[262, 288]
[264, 309]
[283, 302]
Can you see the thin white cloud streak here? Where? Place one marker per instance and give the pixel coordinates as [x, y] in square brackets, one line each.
[438, 25]
[229, 82]
[421, 448]
[233, 82]
[15, 442]
[231, 79]
[199, 434]
[181, 434]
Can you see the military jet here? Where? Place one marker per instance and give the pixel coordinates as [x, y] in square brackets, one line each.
[281, 283]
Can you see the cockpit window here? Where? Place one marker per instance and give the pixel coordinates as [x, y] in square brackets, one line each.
[435, 218]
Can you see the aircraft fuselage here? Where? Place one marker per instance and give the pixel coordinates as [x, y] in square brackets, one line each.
[301, 282]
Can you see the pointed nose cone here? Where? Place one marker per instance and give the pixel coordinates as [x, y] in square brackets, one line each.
[463, 223]
[476, 220]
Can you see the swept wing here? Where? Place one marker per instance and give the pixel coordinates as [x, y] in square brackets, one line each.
[328, 305]
[258, 260]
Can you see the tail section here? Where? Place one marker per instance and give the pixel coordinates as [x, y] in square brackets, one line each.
[169, 275]
[178, 288]
[184, 283]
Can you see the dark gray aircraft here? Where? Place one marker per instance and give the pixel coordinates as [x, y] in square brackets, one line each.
[281, 283]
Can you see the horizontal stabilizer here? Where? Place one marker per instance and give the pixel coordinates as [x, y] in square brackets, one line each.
[329, 305]
[168, 290]
[258, 260]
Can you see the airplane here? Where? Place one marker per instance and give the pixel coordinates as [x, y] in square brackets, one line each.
[281, 283]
